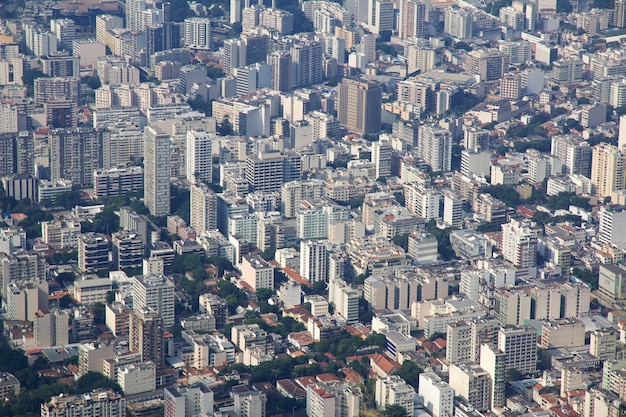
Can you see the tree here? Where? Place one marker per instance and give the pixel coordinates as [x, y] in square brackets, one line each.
[410, 373]
[514, 375]
[587, 276]
[237, 28]
[504, 193]
[384, 36]
[180, 10]
[225, 128]
[394, 410]
[214, 71]
[94, 380]
[263, 294]
[462, 45]
[65, 301]
[64, 277]
[99, 313]
[29, 77]
[92, 82]
[402, 241]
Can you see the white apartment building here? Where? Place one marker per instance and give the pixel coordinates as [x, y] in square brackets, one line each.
[313, 261]
[137, 378]
[156, 292]
[256, 272]
[60, 234]
[395, 390]
[199, 156]
[436, 395]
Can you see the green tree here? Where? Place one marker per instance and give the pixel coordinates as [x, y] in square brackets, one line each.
[65, 301]
[216, 72]
[180, 10]
[410, 373]
[462, 45]
[394, 410]
[99, 313]
[505, 193]
[94, 380]
[402, 241]
[514, 375]
[225, 128]
[588, 276]
[65, 277]
[264, 294]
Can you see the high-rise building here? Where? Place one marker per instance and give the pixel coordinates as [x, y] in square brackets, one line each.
[567, 70]
[280, 71]
[256, 272]
[459, 23]
[203, 208]
[435, 147]
[436, 395]
[198, 32]
[183, 400]
[612, 282]
[249, 402]
[519, 243]
[359, 104]
[472, 384]
[395, 390]
[516, 52]
[511, 86]
[603, 343]
[574, 154]
[134, 15]
[256, 47]
[105, 23]
[25, 298]
[607, 169]
[313, 261]
[494, 362]
[466, 337]
[306, 59]
[612, 219]
[488, 64]
[37, 41]
[380, 15]
[146, 336]
[381, 157]
[60, 65]
[20, 267]
[619, 13]
[412, 15]
[157, 293]
[617, 93]
[56, 88]
[420, 55]
[157, 171]
[344, 298]
[65, 32]
[93, 252]
[117, 181]
[199, 157]
[520, 346]
[99, 403]
[270, 231]
[76, 153]
[234, 55]
[127, 250]
[268, 171]
[292, 193]
[51, 328]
